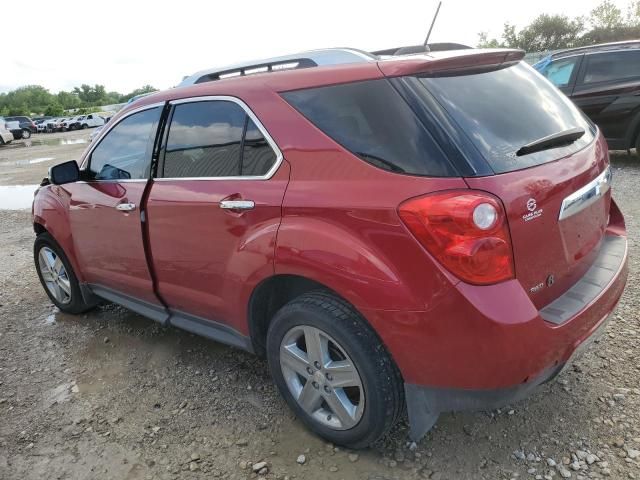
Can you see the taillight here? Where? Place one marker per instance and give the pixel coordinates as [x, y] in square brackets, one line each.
[466, 231]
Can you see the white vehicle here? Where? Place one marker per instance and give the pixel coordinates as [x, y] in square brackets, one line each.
[91, 120]
[5, 131]
[95, 133]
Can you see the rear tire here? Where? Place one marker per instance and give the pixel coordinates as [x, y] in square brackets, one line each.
[354, 394]
[85, 126]
[26, 133]
[57, 276]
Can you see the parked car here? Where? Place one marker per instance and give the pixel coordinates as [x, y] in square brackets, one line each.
[16, 131]
[51, 124]
[6, 136]
[72, 123]
[384, 232]
[26, 123]
[91, 120]
[42, 125]
[604, 81]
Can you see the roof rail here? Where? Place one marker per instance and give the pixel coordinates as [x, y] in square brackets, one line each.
[313, 58]
[599, 47]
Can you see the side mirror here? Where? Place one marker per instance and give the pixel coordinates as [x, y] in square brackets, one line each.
[67, 172]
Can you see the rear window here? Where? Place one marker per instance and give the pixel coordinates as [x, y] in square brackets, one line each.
[372, 121]
[503, 110]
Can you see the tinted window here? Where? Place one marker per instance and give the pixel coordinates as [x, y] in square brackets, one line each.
[559, 72]
[372, 121]
[257, 156]
[604, 67]
[125, 152]
[503, 110]
[205, 140]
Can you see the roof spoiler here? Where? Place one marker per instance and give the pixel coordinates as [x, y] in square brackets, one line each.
[450, 63]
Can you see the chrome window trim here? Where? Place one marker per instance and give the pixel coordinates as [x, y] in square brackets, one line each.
[254, 118]
[96, 141]
[587, 195]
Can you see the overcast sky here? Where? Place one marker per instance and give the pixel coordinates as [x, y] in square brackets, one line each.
[124, 44]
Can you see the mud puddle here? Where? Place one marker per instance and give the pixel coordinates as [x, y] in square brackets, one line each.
[16, 197]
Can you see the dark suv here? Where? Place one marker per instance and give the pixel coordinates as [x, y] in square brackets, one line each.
[604, 81]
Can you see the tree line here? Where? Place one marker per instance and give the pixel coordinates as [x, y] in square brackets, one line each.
[605, 23]
[36, 100]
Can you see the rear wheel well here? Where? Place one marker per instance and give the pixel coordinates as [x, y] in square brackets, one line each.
[271, 295]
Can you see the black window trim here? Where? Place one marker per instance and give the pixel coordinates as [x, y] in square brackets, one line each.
[225, 98]
[86, 161]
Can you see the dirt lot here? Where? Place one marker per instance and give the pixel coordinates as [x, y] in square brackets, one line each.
[113, 395]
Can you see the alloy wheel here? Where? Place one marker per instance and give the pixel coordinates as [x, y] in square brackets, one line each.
[322, 378]
[54, 275]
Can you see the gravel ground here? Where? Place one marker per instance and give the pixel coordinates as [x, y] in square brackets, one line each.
[112, 395]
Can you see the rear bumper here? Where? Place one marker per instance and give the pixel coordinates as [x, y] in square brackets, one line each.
[424, 404]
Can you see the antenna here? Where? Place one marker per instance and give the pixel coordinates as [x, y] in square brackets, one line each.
[426, 40]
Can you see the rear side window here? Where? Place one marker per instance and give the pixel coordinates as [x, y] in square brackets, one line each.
[606, 67]
[125, 151]
[559, 72]
[215, 139]
[503, 110]
[372, 121]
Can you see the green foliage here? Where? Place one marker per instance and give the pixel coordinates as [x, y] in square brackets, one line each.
[37, 100]
[54, 110]
[137, 91]
[606, 23]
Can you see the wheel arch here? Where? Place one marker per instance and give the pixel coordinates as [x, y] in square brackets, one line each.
[276, 291]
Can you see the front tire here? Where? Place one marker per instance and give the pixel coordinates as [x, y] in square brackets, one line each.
[84, 126]
[333, 371]
[57, 276]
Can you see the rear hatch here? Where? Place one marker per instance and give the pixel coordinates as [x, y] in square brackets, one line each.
[503, 109]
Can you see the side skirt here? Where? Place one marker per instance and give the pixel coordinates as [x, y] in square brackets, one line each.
[166, 317]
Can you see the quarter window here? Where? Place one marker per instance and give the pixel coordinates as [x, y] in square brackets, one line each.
[372, 121]
[605, 67]
[215, 139]
[258, 156]
[559, 71]
[125, 152]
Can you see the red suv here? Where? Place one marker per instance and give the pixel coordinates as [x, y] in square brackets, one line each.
[434, 229]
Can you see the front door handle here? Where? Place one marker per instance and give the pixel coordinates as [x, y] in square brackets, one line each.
[126, 207]
[237, 204]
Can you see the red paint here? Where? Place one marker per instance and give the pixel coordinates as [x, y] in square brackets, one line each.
[332, 218]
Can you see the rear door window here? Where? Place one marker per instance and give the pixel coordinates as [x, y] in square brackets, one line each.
[503, 110]
[611, 66]
[372, 121]
[125, 151]
[215, 138]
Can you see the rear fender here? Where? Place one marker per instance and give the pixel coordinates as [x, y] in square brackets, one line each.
[365, 274]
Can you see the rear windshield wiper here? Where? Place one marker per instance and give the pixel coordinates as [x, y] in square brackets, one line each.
[559, 139]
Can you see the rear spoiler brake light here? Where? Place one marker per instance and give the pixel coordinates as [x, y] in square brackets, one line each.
[464, 61]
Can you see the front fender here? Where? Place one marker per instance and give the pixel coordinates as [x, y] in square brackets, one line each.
[51, 211]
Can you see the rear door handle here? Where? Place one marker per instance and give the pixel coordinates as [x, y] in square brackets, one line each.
[237, 204]
[126, 207]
